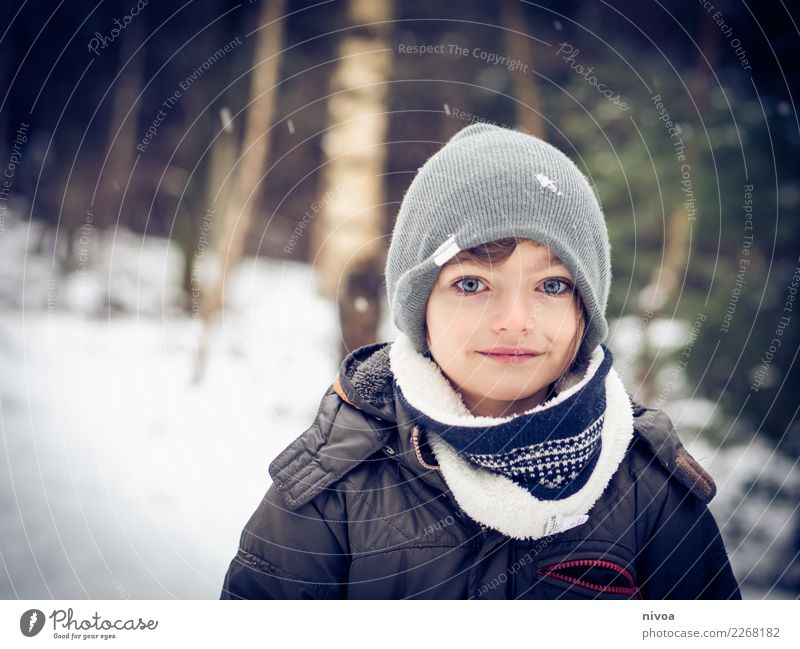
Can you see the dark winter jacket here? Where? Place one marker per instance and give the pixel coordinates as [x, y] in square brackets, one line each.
[358, 509]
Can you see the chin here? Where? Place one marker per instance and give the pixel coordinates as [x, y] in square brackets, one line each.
[498, 393]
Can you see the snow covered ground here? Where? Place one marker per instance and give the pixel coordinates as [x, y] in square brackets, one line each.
[121, 477]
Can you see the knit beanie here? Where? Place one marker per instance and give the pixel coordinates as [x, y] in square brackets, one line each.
[487, 183]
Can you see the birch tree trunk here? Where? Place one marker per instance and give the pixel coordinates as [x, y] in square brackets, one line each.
[347, 233]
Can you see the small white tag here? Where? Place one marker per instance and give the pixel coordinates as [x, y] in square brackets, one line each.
[446, 251]
[558, 523]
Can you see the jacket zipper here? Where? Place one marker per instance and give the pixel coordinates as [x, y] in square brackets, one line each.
[552, 571]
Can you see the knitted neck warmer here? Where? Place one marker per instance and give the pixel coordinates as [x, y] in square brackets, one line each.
[550, 450]
[514, 473]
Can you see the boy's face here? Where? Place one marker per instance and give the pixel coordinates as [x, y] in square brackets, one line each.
[527, 303]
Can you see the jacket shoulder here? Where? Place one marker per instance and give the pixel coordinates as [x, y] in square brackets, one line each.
[339, 439]
[655, 434]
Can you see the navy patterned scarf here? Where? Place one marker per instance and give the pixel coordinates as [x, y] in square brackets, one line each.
[550, 450]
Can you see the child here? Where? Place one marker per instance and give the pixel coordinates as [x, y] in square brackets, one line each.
[491, 451]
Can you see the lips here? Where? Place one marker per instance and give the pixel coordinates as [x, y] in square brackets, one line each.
[509, 355]
[509, 351]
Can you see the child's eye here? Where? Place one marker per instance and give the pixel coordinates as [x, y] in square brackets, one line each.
[554, 286]
[470, 285]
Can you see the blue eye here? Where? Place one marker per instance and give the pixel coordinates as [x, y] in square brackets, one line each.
[552, 286]
[470, 285]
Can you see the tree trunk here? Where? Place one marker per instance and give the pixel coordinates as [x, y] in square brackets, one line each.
[520, 48]
[665, 280]
[122, 128]
[234, 223]
[347, 234]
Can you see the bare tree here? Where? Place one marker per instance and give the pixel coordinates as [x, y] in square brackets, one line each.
[234, 223]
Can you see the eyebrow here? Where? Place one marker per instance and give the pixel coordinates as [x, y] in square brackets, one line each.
[553, 260]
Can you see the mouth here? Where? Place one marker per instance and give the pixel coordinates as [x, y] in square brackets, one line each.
[510, 356]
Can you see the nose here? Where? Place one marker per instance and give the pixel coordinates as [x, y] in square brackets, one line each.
[514, 313]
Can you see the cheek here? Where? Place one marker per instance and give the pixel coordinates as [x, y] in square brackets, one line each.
[567, 325]
[448, 331]
[441, 315]
[563, 325]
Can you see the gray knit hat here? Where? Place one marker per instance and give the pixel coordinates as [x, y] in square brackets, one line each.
[488, 183]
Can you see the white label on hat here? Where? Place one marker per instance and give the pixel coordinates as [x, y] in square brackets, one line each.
[446, 251]
[558, 523]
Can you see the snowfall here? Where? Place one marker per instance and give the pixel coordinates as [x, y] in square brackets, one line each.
[123, 476]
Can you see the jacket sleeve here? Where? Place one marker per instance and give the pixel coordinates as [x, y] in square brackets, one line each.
[684, 556]
[285, 554]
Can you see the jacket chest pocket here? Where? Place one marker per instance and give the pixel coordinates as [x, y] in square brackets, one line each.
[584, 573]
[588, 578]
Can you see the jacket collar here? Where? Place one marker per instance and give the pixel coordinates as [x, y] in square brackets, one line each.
[365, 382]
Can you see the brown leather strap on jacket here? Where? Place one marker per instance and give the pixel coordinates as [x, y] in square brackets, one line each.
[695, 476]
[337, 386]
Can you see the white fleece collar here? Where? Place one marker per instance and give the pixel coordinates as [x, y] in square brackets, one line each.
[428, 390]
[489, 497]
